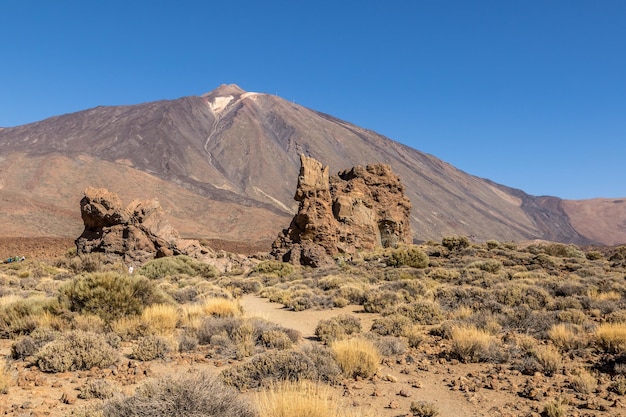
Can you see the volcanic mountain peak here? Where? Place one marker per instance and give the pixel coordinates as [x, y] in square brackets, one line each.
[226, 163]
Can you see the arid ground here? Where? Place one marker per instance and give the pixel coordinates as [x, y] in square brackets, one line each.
[460, 329]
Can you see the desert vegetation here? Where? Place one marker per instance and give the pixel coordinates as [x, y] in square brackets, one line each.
[541, 326]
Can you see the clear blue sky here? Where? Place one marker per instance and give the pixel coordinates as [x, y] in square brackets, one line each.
[527, 93]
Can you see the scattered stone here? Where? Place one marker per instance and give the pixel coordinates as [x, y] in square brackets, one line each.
[404, 393]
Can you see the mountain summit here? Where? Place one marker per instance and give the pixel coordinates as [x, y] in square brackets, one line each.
[224, 165]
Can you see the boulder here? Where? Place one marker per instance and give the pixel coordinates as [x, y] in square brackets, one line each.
[358, 209]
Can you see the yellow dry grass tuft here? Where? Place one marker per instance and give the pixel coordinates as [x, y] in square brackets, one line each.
[161, 319]
[302, 398]
[471, 344]
[356, 357]
[221, 307]
[611, 337]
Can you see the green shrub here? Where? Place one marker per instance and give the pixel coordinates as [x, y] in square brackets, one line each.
[173, 265]
[198, 395]
[284, 365]
[150, 347]
[109, 295]
[455, 242]
[75, 350]
[408, 256]
[280, 269]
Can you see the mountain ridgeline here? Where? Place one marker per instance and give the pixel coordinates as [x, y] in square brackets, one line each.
[224, 166]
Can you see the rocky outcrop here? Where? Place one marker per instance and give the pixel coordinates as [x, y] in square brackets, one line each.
[360, 208]
[141, 232]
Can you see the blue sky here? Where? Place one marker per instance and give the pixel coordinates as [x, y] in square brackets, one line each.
[528, 93]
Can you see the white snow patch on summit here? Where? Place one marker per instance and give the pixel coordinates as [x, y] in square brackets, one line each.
[219, 103]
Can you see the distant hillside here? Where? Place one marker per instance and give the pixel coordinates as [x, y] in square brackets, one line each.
[224, 165]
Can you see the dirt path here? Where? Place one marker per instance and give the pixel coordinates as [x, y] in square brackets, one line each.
[303, 321]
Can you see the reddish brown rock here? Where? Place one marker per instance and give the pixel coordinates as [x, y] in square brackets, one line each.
[138, 233]
[358, 209]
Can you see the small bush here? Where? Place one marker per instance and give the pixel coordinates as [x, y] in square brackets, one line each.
[618, 386]
[584, 382]
[356, 357]
[160, 319]
[6, 379]
[276, 339]
[280, 269]
[471, 344]
[109, 295]
[327, 368]
[101, 389]
[492, 266]
[75, 350]
[549, 358]
[424, 409]
[567, 336]
[455, 242]
[285, 365]
[150, 347]
[174, 265]
[222, 307]
[337, 328]
[555, 408]
[408, 256]
[611, 337]
[393, 325]
[198, 395]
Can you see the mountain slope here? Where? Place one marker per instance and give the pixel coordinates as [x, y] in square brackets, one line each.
[224, 165]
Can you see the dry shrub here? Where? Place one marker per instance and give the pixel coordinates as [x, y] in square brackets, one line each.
[88, 323]
[327, 368]
[337, 328]
[611, 337]
[555, 408]
[424, 409]
[356, 357]
[128, 328]
[584, 382]
[198, 395]
[471, 344]
[221, 307]
[549, 358]
[301, 398]
[19, 316]
[284, 365]
[151, 347]
[76, 350]
[160, 319]
[101, 389]
[567, 336]
[6, 379]
[393, 325]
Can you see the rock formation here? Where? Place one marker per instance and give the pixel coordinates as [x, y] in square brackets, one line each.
[140, 232]
[360, 208]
